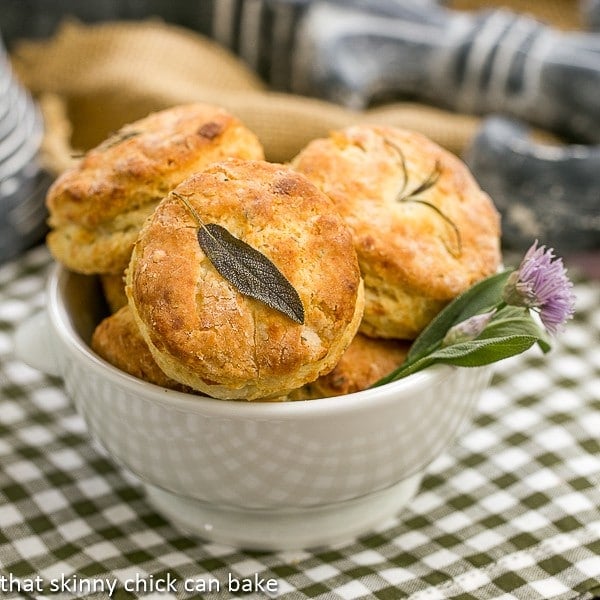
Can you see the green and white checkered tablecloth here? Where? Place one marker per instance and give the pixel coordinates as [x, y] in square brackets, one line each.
[512, 510]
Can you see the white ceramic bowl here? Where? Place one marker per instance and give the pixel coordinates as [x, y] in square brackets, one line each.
[255, 475]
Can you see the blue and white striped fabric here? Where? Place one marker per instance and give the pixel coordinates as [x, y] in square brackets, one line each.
[22, 181]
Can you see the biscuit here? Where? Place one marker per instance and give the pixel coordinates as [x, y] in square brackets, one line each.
[365, 361]
[97, 208]
[423, 229]
[200, 329]
[113, 288]
[118, 341]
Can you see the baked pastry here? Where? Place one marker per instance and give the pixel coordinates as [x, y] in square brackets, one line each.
[97, 208]
[200, 329]
[113, 288]
[118, 341]
[365, 361]
[423, 229]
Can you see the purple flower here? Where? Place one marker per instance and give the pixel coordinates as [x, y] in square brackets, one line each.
[541, 283]
[469, 329]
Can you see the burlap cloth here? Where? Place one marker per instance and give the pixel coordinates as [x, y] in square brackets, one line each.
[90, 80]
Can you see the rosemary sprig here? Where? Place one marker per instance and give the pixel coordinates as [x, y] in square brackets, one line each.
[422, 187]
[117, 138]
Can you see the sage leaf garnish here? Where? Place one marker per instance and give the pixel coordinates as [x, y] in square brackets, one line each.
[247, 269]
[414, 195]
[250, 271]
[510, 331]
[479, 298]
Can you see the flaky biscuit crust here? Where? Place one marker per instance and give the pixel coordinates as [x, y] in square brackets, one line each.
[200, 329]
[365, 361]
[118, 341]
[97, 208]
[113, 288]
[416, 252]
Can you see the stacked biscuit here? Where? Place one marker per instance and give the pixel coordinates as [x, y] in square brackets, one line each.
[374, 229]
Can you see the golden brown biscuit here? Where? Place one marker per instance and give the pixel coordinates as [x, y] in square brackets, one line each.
[423, 229]
[365, 361]
[113, 287]
[201, 330]
[118, 341]
[97, 208]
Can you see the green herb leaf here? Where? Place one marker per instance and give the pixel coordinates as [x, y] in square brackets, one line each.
[510, 321]
[250, 271]
[247, 269]
[479, 298]
[511, 332]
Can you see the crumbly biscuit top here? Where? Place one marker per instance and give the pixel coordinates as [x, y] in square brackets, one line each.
[187, 309]
[144, 160]
[118, 340]
[365, 361]
[434, 242]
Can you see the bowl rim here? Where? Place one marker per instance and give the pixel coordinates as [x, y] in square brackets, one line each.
[406, 389]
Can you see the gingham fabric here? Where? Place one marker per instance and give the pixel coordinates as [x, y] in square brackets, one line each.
[511, 510]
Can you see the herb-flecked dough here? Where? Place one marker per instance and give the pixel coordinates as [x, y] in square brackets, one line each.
[200, 329]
